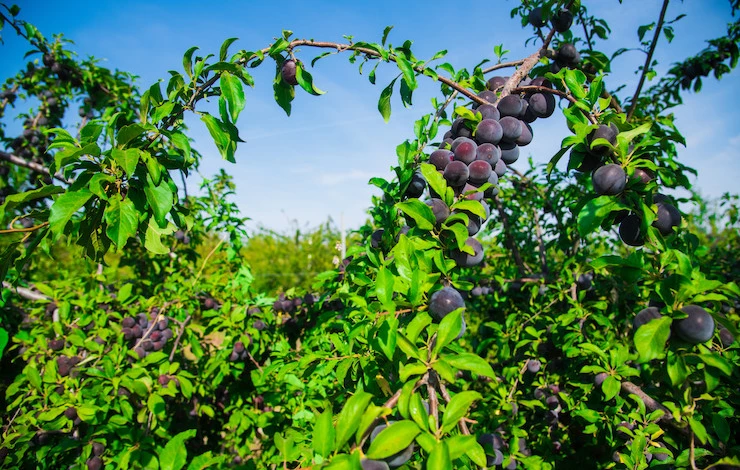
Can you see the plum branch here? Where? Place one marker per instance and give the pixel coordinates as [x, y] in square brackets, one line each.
[33, 166]
[648, 60]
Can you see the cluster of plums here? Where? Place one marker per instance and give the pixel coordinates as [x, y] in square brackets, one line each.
[494, 446]
[147, 333]
[667, 218]
[285, 305]
[239, 350]
[95, 462]
[697, 327]
[561, 20]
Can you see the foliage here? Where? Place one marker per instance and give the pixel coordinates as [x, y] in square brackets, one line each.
[447, 338]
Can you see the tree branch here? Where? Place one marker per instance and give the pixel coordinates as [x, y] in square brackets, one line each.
[646, 67]
[33, 166]
[652, 405]
[25, 293]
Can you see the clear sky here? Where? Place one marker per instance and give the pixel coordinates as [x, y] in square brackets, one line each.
[316, 164]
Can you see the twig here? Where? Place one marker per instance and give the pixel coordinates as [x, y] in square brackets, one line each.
[23, 292]
[446, 395]
[646, 67]
[692, 454]
[527, 65]
[503, 65]
[585, 30]
[16, 160]
[205, 261]
[516, 381]
[540, 244]
[652, 405]
[179, 335]
[23, 230]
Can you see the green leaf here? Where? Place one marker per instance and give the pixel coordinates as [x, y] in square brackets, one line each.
[162, 111]
[160, 199]
[449, 328]
[122, 219]
[393, 439]
[232, 89]
[305, 80]
[387, 335]
[457, 408]
[699, 430]
[384, 286]
[610, 387]
[651, 337]
[3, 341]
[64, 207]
[677, 370]
[153, 237]
[128, 133]
[284, 94]
[385, 34]
[594, 212]
[436, 182]
[14, 200]
[419, 212]
[350, 416]
[417, 411]
[187, 61]
[439, 458]
[474, 207]
[175, 453]
[223, 53]
[408, 72]
[222, 136]
[471, 362]
[384, 103]
[127, 159]
[721, 427]
[323, 434]
[718, 362]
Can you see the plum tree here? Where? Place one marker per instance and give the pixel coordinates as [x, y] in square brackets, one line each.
[697, 328]
[445, 301]
[609, 179]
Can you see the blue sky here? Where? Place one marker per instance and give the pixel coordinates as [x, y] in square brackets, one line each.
[316, 164]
